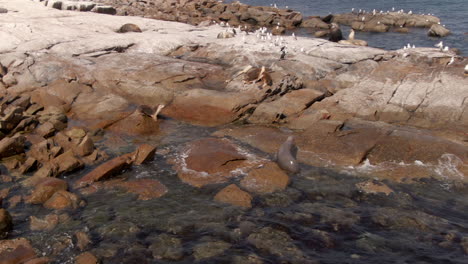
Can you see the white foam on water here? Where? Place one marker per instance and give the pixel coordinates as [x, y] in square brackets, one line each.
[448, 165]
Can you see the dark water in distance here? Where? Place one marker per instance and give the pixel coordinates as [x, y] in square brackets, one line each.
[453, 14]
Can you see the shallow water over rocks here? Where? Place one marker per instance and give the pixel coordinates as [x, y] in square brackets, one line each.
[323, 216]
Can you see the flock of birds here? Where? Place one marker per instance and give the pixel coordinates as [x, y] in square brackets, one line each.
[264, 35]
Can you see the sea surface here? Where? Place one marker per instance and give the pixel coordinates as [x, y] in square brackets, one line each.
[453, 14]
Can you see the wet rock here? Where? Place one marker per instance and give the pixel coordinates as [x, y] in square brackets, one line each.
[6, 223]
[86, 258]
[281, 198]
[372, 187]
[167, 247]
[337, 218]
[29, 165]
[129, 28]
[43, 260]
[137, 123]
[119, 230]
[4, 193]
[45, 188]
[15, 251]
[250, 259]
[82, 240]
[464, 244]
[235, 196]
[266, 179]
[437, 30]
[48, 223]
[210, 160]
[145, 188]
[62, 200]
[210, 249]
[408, 220]
[67, 162]
[105, 170]
[10, 146]
[14, 200]
[144, 153]
[276, 243]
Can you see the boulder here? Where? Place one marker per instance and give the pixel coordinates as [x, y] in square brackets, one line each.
[167, 247]
[137, 123]
[45, 188]
[105, 170]
[235, 196]
[144, 153]
[86, 258]
[145, 188]
[277, 243]
[267, 179]
[47, 224]
[6, 223]
[17, 250]
[82, 240]
[61, 200]
[210, 160]
[314, 22]
[437, 30]
[10, 146]
[209, 249]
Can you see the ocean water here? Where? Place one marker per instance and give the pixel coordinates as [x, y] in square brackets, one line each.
[453, 14]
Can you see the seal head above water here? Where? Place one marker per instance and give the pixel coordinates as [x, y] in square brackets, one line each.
[286, 156]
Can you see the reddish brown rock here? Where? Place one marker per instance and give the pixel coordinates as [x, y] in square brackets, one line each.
[6, 223]
[67, 162]
[10, 146]
[43, 260]
[136, 123]
[235, 196]
[86, 258]
[105, 170]
[145, 188]
[210, 160]
[48, 223]
[82, 240]
[62, 200]
[144, 153]
[45, 189]
[268, 179]
[4, 193]
[85, 147]
[46, 130]
[14, 200]
[29, 165]
[15, 254]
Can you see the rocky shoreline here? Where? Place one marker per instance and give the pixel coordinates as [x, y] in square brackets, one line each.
[72, 88]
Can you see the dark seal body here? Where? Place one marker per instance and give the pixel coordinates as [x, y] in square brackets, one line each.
[286, 156]
[335, 33]
[129, 28]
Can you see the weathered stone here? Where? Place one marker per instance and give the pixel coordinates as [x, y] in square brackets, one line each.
[45, 189]
[62, 200]
[167, 247]
[10, 146]
[144, 153]
[43, 260]
[14, 200]
[209, 249]
[136, 123]
[373, 188]
[85, 147]
[235, 196]
[437, 30]
[275, 242]
[17, 250]
[6, 223]
[67, 162]
[105, 170]
[145, 188]
[47, 224]
[76, 133]
[266, 179]
[82, 240]
[86, 258]
[46, 130]
[210, 160]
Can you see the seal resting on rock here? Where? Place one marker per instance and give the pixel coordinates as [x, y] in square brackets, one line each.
[149, 111]
[335, 34]
[286, 156]
[129, 28]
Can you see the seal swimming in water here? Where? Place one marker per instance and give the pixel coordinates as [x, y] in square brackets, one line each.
[286, 156]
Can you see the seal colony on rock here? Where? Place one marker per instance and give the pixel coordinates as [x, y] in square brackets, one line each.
[286, 156]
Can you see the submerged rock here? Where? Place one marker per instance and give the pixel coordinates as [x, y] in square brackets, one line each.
[167, 247]
[235, 196]
[6, 223]
[266, 179]
[210, 249]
